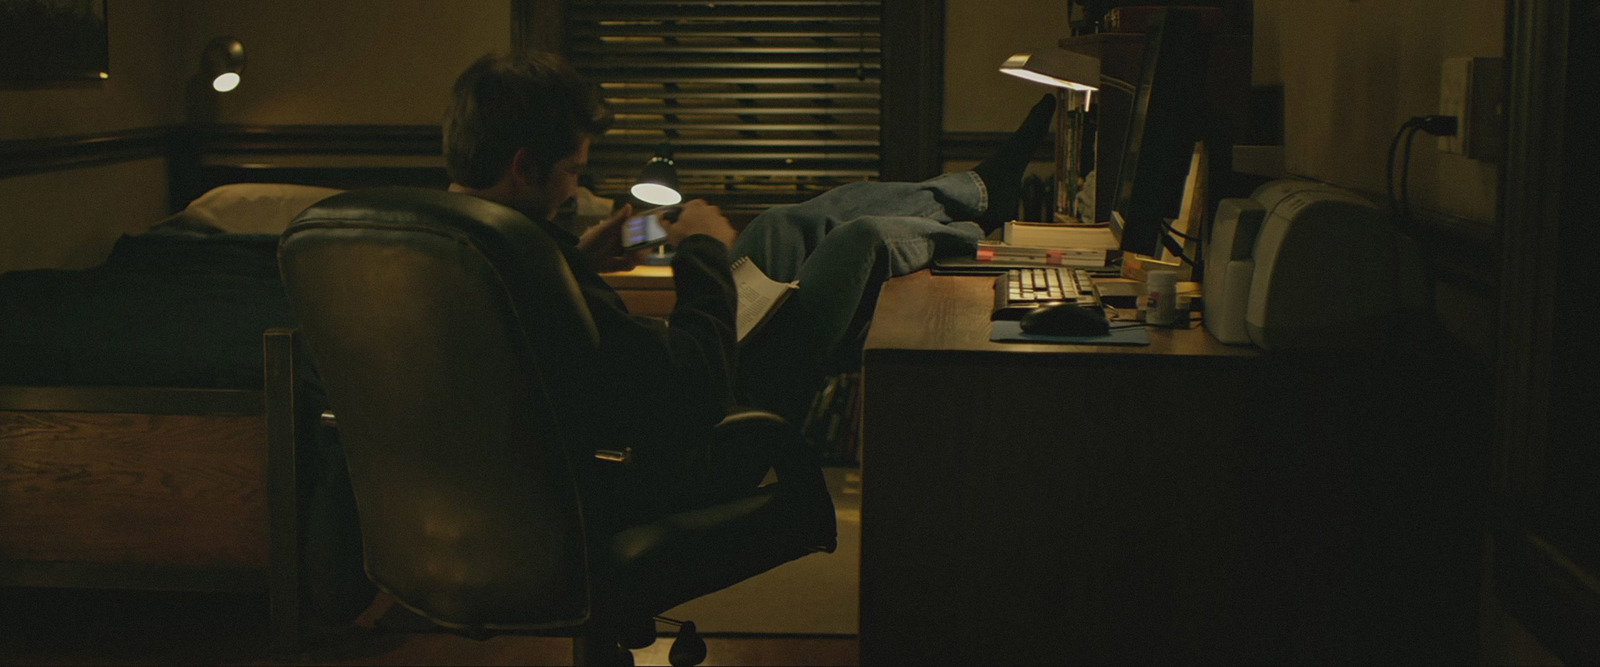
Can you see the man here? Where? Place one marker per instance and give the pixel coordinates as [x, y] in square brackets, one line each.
[518, 132]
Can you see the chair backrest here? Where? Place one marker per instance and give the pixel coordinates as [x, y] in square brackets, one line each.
[434, 320]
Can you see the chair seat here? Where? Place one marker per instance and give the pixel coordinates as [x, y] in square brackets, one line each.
[653, 567]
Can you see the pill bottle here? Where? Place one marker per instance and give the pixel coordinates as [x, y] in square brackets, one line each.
[1161, 298]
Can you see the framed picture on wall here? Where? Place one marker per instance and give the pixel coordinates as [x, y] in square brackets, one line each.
[52, 40]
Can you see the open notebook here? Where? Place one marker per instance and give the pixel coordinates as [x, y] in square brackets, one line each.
[759, 295]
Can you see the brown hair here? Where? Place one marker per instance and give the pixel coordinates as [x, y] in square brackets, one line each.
[506, 102]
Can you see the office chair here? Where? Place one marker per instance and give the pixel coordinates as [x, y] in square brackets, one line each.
[439, 325]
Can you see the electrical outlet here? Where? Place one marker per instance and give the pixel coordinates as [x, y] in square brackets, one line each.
[1472, 90]
[1454, 76]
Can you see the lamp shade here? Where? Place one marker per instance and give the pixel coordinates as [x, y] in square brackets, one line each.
[1056, 67]
[222, 62]
[658, 181]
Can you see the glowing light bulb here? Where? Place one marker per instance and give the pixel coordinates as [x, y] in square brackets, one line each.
[225, 82]
[660, 195]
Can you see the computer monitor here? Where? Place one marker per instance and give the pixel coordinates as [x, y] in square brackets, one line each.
[1164, 122]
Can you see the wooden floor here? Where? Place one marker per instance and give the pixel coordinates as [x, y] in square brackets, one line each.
[64, 627]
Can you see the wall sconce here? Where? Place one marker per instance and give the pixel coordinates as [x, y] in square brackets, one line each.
[1075, 76]
[221, 62]
[658, 181]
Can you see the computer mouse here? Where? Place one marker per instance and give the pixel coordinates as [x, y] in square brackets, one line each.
[1067, 319]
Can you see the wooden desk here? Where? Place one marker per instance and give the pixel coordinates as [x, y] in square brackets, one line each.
[648, 290]
[1186, 501]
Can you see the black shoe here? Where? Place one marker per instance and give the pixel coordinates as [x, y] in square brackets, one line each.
[1002, 171]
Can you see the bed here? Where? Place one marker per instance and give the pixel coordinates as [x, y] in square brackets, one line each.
[158, 431]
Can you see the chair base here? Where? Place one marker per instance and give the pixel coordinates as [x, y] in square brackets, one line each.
[599, 647]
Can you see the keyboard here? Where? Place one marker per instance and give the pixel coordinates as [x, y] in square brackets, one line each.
[1021, 290]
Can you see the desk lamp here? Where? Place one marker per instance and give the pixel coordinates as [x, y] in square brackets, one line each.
[658, 185]
[1075, 76]
[658, 181]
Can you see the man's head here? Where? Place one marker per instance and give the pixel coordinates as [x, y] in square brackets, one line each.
[518, 130]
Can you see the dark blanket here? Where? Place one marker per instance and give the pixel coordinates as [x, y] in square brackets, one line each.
[164, 310]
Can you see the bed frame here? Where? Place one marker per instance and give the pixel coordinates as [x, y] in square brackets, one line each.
[156, 488]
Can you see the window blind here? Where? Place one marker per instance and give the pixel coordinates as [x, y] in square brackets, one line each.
[763, 102]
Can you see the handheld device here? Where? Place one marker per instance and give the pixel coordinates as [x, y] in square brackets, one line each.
[644, 230]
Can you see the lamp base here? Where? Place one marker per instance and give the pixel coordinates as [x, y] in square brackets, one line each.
[660, 257]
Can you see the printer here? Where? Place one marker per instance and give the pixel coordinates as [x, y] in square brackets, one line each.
[1305, 265]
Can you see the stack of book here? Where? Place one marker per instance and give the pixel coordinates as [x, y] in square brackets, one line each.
[1058, 235]
[1005, 253]
[1026, 244]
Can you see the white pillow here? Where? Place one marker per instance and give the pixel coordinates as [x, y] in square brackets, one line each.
[249, 208]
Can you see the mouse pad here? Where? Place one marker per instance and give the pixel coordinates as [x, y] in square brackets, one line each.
[1010, 331]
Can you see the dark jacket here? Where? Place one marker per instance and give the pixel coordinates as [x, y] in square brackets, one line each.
[660, 386]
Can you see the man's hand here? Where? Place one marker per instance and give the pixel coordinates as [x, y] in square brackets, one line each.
[602, 243]
[699, 217]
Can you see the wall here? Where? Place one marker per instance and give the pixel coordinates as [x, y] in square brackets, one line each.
[979, 35]
[70, 218]
[1354, 70]
[347, 62]
[138, 93]
[387, 62]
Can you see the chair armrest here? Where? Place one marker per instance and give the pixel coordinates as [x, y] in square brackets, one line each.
[623, 456]
[752, 418]
[798, 466]
[752, 430]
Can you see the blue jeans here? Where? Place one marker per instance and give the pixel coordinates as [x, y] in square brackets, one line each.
[841, 246]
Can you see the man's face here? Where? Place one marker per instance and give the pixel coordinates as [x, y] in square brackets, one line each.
[544, 198]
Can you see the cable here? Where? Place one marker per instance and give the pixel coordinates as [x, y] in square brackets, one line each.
[1394, 148]
[1176, 249]
[1174, 230]
[1173, 246]
[1405, 177]
[1109, 81]
[1436, 125]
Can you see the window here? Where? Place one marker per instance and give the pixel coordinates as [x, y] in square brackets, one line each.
[763, 102]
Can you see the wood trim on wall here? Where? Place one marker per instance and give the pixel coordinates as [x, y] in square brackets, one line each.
[319, 139]
[913, 89]
[36, 156]
[206, 156]
[979, 145]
